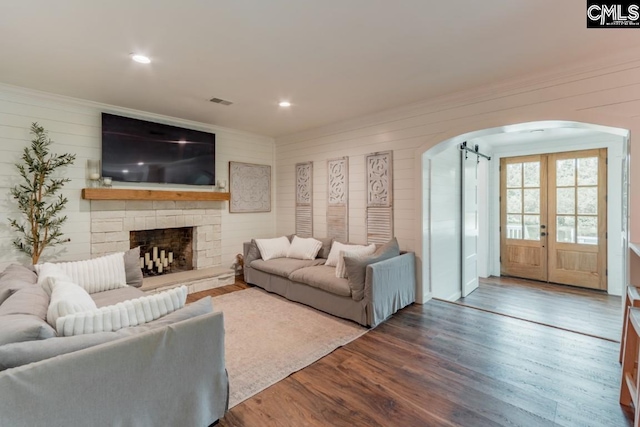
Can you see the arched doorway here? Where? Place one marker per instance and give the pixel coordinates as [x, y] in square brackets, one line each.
[509, 135]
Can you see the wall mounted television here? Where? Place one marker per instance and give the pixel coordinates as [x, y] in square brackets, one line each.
[139, 151]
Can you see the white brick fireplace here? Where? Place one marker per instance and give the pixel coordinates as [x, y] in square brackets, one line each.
[112, 220]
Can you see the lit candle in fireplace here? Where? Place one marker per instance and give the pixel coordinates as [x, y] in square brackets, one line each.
[155, 253]
[141, 262]
[162, 255]
[170, 257]
[165, 263]
[159, 268]
[150, 265]
[147, 258]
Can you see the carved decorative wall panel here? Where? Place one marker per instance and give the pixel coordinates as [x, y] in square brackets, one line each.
[250, 187]
[379, 181]
[304, 199]
[338, 198]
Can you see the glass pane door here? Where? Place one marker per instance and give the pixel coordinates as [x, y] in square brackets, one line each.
[578, 218]
[523, 217]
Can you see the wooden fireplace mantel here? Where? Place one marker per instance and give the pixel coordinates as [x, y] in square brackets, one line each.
[122, 194]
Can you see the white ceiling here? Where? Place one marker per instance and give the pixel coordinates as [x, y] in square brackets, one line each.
[333, 59]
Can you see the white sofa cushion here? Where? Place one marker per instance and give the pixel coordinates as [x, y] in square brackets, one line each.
[67, 298]
[304, 248]
[352, 251]
[273, 248]
[123, 314]
[94, 275]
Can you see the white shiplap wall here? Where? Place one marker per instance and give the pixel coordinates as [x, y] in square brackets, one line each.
[604, 92]
[75, 127]
[319, 152]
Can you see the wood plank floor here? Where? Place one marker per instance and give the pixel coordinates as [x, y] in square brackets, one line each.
[442, 364]
[581, 310]
[238, 286]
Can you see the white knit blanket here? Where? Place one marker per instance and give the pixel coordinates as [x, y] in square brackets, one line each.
[124, 314]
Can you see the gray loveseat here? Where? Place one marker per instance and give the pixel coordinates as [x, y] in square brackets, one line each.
[168, 372]
[389, 285]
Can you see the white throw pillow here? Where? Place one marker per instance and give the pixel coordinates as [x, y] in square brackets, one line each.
[67, 298]
[124, 314]
[273, 248]
[47, 271]
[341, 269]
[94, 275]
[334, 253]
[302, 248]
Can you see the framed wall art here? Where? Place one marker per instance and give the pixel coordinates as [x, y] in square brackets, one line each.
[249, 187]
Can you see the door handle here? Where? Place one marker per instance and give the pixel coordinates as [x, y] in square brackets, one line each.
[543, 227]
[543, 234]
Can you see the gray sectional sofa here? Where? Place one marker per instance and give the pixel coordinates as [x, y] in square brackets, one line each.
[168, 372]
[388, 285]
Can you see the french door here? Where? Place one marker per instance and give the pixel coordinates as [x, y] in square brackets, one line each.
[553, 218]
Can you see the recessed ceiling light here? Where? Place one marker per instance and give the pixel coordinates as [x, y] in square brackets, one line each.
[182, 141]
[284, 104]
[140, 58]
[140, 163]
[125, 170]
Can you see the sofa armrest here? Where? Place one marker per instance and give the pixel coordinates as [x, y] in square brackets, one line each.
[170, 376]
[389, 286]
[250, 252]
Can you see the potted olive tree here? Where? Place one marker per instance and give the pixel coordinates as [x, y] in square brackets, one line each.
[37, 196]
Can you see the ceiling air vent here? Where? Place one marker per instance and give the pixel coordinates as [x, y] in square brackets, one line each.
[220, 101]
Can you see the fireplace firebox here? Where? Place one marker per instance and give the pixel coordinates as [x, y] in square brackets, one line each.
[163, 251]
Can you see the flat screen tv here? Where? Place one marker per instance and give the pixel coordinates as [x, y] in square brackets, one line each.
[140, 151]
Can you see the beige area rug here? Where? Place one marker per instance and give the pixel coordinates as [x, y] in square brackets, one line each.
[267, 338]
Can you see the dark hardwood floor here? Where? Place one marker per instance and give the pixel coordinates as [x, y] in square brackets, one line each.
[442, 364]
[580, 310]
[238, 286]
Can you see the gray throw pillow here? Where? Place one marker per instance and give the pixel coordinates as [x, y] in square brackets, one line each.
[357, 266]
[391, 246]
[253, 253]
[15, 277]
[23, 327]
[31, 299]
[326, 247]
[132, 267]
